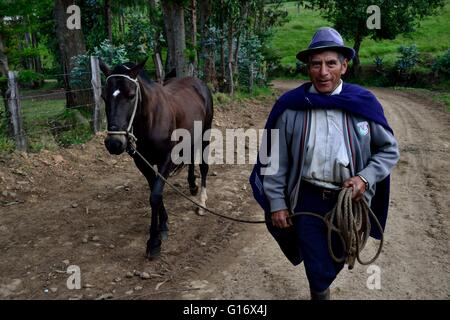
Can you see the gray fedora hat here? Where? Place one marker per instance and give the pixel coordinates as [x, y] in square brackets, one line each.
[326, 38]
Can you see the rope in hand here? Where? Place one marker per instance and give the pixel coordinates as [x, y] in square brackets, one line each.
[349, 219]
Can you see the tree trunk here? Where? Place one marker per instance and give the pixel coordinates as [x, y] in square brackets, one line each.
[168, 30]
[28, 61]
[174, 21]
[152, 15]
[194, 33]
[356, 68]
[230, 79]
[4, 72]
[70, 43]
[207, 44]
[121, 22]
[108, 20]
[236, 52]
[222, 47]
[37, 59]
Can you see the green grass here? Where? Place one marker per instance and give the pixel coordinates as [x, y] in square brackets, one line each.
[258, 92]
[444, 98]
[432, 36]
[48, 124]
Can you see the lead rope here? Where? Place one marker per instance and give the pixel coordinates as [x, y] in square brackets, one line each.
[350, 220]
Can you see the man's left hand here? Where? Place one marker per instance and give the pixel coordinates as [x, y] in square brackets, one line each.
[358, 186]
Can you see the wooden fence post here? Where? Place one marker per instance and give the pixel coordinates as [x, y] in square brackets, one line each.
[250, 85]
[97, 89]
[159, 68]
[15, 111]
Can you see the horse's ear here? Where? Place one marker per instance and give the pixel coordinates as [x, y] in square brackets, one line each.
[137, 68]
[105, 69]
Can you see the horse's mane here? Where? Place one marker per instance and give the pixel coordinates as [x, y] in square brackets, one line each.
[123, 68]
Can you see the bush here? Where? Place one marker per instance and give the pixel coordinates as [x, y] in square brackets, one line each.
[109, 54]
[409, 56]
[30, 78]
[378, 64]
[220, 98]
[251, 62]
[442, 64]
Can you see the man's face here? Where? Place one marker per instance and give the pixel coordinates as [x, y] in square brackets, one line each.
[325, 71]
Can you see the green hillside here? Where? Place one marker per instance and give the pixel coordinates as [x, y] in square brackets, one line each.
[432, 36]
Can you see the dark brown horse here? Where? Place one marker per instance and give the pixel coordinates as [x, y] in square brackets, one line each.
[136, 105]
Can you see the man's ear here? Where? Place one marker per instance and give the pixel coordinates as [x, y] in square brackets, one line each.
[104, 68]
[137, 68]
[344, 66]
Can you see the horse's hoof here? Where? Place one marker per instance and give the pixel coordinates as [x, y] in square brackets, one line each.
[153, 253]
[164, 235]
[201, 212]
[153, 248]
[194, 191]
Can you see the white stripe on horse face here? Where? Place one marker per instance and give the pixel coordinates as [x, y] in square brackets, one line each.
[116, 93]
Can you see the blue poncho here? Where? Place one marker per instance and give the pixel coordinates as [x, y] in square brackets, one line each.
[353, 99]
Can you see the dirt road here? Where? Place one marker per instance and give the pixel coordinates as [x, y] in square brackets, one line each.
[80, 206]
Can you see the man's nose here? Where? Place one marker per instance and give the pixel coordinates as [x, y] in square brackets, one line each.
[324, 70]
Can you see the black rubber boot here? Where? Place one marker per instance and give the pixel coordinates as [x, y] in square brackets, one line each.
[324, 295]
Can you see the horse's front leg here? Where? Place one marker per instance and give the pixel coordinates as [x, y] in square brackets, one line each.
[158, 231]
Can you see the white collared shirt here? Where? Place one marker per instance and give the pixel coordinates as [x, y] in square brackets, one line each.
[326, 160]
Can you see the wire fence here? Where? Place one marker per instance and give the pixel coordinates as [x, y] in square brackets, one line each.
[61, 91]
[30, 117]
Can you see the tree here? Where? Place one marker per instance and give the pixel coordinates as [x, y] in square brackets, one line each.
[350, 18]
[176, 37]
[71, 44]
[156, 21]
[108, 20]
[207, 53]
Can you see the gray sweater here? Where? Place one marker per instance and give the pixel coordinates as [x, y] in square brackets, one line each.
[373, 154]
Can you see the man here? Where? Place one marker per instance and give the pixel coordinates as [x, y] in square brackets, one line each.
[331, 135]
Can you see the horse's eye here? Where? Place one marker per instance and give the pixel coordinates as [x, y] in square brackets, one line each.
[131, 96]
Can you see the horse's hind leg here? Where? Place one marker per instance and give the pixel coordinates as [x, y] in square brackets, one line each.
[204, 167]
[193, 188]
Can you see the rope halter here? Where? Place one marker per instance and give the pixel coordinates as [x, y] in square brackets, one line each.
[129, 131]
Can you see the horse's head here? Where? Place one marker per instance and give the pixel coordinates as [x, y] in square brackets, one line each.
[121, 97]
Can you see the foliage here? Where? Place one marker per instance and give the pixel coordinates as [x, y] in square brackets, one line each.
[442, 64]
[378, 63]
[350, 18]
[73, 130]
[25, 17]
[109, 54]
[408, 58]
[30, 78]
[139, 38]
[251, 62]
[220, 98]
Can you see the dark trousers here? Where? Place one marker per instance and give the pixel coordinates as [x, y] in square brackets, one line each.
[321, 269]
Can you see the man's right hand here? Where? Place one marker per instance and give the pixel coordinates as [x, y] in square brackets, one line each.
[280, 219]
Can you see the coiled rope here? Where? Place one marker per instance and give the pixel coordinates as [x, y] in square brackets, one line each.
[350, 220]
